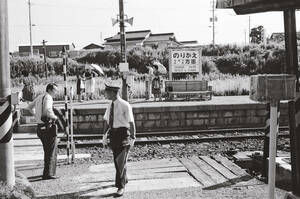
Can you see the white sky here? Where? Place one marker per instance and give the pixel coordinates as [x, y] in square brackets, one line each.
[83, 22]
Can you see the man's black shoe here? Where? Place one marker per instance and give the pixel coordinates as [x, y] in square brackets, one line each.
[120, 192]
[49, 177]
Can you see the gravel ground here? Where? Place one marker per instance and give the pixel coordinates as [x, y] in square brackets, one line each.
[156, 151]
[250, 190]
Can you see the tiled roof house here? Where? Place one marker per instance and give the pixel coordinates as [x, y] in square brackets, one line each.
[133, 39]
[93, 46]
[143, 38]
[189, 43]
[162, 40]
[279, 36]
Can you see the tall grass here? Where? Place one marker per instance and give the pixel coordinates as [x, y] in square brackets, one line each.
[236, 85]
[222, 85]
[137, 90]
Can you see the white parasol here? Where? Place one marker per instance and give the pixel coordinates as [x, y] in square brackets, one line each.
[94, 67]
[161, 69]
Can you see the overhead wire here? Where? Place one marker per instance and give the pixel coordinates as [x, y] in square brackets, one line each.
[70, 6]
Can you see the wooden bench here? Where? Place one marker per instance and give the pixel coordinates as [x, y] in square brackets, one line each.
[188, 89]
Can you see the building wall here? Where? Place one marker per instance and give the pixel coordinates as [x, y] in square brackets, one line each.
[129, 45]
[51, 50]
[160, 44]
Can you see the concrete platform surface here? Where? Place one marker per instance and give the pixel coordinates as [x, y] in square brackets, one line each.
[220, 100]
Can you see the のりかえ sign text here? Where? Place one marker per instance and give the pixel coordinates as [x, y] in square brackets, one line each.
[185, 61]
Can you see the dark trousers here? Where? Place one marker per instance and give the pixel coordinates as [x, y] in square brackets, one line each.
[49, 141]
[119, 143]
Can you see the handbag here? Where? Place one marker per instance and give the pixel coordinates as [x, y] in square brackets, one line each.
[52, 129]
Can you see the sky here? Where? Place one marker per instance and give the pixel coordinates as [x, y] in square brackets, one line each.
[89, 21]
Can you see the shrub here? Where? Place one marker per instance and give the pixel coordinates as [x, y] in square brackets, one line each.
[137, 58]
[275, 62]
[229, 63]
[208, 65]
[233, 59]
[36, 67]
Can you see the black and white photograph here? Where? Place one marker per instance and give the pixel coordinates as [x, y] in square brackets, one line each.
[140, 99]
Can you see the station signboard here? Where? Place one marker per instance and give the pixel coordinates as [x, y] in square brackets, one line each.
[185, 60]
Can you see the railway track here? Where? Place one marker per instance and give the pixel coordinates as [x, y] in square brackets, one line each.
[213, 135]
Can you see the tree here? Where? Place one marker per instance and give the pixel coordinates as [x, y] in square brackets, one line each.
[257, 35]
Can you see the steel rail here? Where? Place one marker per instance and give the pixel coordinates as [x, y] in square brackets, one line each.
[176, 133]
[178, 140]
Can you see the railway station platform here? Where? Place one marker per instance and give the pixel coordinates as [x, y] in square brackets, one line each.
[218, 113]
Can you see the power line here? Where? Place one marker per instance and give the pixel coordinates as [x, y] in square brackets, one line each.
[59, 26]
[249, 21]
[70, 6]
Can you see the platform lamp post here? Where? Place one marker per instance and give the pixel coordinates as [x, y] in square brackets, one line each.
[123, 67]
[7, 172]
[272, 89]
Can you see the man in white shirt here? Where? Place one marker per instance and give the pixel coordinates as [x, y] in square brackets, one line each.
[46, 131]
[121, 132]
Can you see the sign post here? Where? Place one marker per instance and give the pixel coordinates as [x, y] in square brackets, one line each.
[272, 89]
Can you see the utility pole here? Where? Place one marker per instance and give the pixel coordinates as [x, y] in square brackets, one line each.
[7, 171]
[122, 32]
[123, 66]
[45, 61]
[245, 32]
[213, 21]
[123, 47]
[249, 24]
[30, 27]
